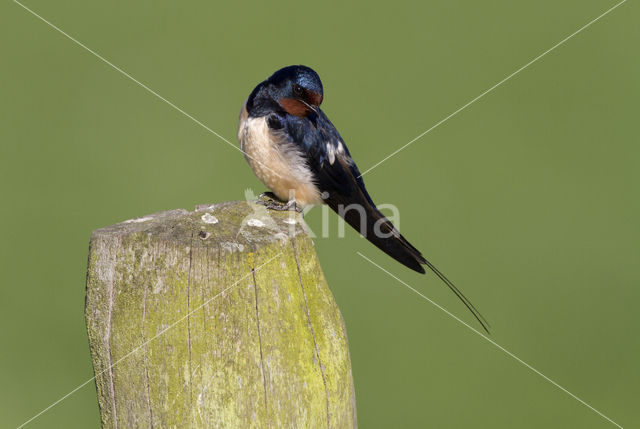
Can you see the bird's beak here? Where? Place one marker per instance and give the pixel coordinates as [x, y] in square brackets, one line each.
[308, 105]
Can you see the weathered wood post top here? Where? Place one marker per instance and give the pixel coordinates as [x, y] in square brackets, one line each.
[218, 318]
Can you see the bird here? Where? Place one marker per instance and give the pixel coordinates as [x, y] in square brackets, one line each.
[295, 150]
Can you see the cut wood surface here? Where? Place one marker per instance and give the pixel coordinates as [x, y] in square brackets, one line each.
[218, 318]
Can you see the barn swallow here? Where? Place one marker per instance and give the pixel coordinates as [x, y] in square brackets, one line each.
[295, 150]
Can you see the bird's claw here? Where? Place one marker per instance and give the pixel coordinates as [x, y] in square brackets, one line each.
[270, 201]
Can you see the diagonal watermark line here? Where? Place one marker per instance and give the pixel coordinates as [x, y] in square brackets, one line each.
[146, 342]
[451, 115]
[151, 91]
[492, 342]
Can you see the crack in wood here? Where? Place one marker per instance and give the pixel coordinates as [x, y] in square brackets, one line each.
[264, 374]
[313, 334]
[189, 319]
[110, 316]
[144, 345]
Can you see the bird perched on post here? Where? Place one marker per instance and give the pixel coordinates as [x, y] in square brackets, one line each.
[295, 150]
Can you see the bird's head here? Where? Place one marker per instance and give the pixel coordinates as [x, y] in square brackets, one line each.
[297, 89]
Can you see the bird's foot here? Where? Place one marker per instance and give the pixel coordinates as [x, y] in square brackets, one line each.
[268, 196]
[270, 201]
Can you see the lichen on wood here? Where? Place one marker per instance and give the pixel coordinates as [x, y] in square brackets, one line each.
[218, 318]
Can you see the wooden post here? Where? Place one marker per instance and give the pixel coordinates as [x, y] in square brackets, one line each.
[218, 318]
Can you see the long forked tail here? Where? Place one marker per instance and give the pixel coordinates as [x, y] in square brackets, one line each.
[376, 228]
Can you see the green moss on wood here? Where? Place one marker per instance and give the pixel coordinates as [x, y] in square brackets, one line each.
[228, 324]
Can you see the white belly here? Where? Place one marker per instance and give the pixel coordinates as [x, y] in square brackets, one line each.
[276, 162]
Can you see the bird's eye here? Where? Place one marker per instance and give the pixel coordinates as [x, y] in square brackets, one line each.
[297, 89]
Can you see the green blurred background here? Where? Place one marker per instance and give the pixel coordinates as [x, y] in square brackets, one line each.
[528, 199]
